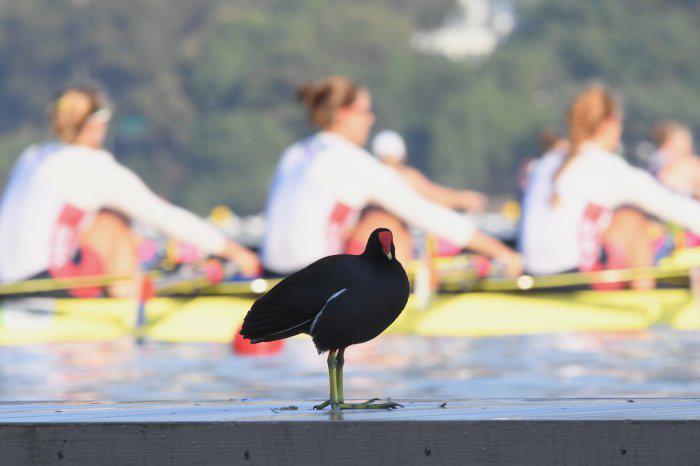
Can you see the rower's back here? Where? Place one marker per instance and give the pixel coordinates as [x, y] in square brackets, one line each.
[52, 191]
[318, 190]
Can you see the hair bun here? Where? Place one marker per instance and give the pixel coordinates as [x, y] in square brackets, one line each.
[306, 94]
[324, 98]
[71, 108]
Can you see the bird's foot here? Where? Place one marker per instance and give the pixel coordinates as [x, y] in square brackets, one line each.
[322, 405]
[369, 404]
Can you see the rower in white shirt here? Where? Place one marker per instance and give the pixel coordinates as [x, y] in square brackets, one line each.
[588, 203]
[323, 182]
[674, 164]
[66, 208]
[389, 147]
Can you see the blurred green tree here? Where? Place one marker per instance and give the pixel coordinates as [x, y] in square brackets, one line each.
[205, 89]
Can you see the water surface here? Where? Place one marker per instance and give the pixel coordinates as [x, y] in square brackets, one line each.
[653, 363]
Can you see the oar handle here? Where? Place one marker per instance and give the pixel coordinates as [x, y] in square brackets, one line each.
[528, 282]
[39, 285]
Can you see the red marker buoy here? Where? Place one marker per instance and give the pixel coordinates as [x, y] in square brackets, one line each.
[244, 347]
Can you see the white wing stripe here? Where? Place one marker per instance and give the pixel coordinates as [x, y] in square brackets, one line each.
[286, 329]
[335, 295]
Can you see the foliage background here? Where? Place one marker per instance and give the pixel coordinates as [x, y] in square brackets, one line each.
[204, 89]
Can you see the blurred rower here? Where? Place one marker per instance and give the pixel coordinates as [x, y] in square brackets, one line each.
[323, 182]
[549, 141]
[585, 208]
[67, 208]
[674, 163]
[389, 147]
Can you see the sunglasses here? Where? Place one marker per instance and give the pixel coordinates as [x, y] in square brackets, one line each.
[102, 115]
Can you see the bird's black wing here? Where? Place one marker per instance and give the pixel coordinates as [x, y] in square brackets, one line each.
[290, 307]
[356, 315]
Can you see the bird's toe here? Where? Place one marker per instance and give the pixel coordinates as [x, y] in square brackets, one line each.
[322, 405]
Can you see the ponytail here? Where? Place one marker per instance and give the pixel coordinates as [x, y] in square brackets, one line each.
[590, 108]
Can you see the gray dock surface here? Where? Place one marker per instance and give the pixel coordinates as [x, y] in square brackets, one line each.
[492, 431]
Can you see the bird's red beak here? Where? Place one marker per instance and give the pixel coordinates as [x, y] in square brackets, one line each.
[386, 238]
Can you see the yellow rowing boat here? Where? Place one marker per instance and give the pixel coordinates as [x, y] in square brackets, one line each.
[500, 307]
[216, 318]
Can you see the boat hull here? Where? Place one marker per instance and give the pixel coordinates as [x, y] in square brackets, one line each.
[217, 318]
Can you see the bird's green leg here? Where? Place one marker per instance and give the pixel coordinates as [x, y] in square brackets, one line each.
[336, 360]
[340, 361]
[332, 379]
[369, 404]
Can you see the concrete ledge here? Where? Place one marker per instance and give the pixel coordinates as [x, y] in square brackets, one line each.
[541, 432]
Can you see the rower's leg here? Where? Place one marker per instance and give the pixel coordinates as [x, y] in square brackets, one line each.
[629, 243]
[110, 237]
[332, 380]
[373, 219]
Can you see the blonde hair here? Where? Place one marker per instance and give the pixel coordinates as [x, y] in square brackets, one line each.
[590, 108]
[324, 98]
[71, 110]
[664, 130]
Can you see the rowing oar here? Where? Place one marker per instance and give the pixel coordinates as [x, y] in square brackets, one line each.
[39, 285]
[197, 284]
[243, 288]
[528, 282]
[211, 281]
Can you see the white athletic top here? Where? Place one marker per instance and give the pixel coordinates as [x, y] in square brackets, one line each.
[54, 191]
[567, 236]
[318, 190]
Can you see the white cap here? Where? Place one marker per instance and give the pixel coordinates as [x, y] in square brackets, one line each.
[389, 145]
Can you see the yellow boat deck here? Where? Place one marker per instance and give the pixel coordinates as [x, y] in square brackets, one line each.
[216, 318]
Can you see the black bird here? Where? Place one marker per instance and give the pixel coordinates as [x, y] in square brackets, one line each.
[339, 300]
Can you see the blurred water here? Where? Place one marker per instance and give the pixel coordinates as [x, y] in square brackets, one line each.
[659, 362]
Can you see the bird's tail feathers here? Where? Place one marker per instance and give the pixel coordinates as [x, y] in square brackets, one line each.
[276, 332]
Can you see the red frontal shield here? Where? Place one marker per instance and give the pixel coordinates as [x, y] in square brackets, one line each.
[385, 238]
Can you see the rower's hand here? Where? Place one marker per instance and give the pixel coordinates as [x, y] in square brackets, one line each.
[510, 260]
[246, 259]
[513, 263]
[473, 201]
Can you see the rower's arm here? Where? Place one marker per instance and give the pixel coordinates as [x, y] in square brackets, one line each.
[428, 189]
[391, 191]
[125, 192]
[696, 177]
[637, 187]
[452, 198]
